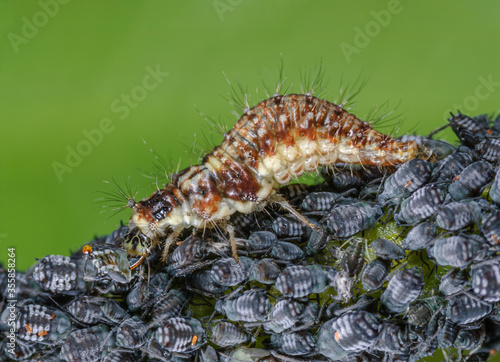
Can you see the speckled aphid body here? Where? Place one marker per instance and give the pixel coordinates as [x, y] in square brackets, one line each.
[273, 142]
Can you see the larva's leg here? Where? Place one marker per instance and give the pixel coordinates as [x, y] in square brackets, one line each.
[280, 200]
[232, 241]
[170, 240]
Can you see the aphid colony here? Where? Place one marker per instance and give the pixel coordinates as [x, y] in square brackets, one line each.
[402, 262]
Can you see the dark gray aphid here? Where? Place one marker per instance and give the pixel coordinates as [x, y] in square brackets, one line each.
[37, 323]
[144, 291]
[496, 125]
[489, 150]
[300, 281]
[458, 251]
[93, 310]
[287, 226]
[289, 313]
[490, 227]
[250, 354]
[113, 313]
[19, 351]
[226, 334]
[495, 188]
[250, 306]
[262, 240]
[246, 222]
[229, 272]
[422, 311]
[319, 201]
[264, 271]
[403, 288]
[409, 177]
[447, 333]
[352, 332]
[471, 181]
[458, 215]
[209, 354]
[131, 333]
[469, 339]
[420, 236]
[86, 309]
[451, 166]
[348, 220]
[387, 249]
[202, 282]
[294, 344]
[189, 252]
[316, 241]
[120, 355]
[168, 306]
[352, 258]
[344, 179]
[425, 348]
[465, 309]
[292, 191]
[57, 274]
[392, 339]
[284, 250]
[374, 274]
[109, 269]
[485, 279]
[356, 331]
[453, 282]
[117, 236]
[469, 130]
[421, 205]
[86, 344]
[180, 334]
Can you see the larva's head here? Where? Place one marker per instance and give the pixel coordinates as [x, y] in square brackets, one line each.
[155, 215]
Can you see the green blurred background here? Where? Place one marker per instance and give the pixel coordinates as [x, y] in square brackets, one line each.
[70, 69]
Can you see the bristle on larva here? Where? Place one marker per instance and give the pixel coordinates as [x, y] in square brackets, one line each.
[277, 140]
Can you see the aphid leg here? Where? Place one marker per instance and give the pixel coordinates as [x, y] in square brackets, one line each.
[170, 240]
[232, 240]
[280, 200]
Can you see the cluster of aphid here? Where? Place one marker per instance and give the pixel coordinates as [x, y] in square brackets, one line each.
[391, 264]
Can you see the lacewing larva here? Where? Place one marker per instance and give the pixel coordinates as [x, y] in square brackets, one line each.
[277, 140]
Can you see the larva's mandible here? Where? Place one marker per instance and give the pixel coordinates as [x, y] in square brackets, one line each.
[277, 140]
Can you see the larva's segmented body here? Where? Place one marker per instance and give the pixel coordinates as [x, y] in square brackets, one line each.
[277, 140]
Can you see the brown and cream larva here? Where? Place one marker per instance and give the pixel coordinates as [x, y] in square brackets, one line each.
[273, 142]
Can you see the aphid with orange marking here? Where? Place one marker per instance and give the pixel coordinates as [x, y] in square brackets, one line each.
[274, 142]
[87, 249]
[28, 328]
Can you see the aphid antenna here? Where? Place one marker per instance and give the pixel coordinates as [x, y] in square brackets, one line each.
[65, 310]
[191, 268]
[398, 268]
[437, 130]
